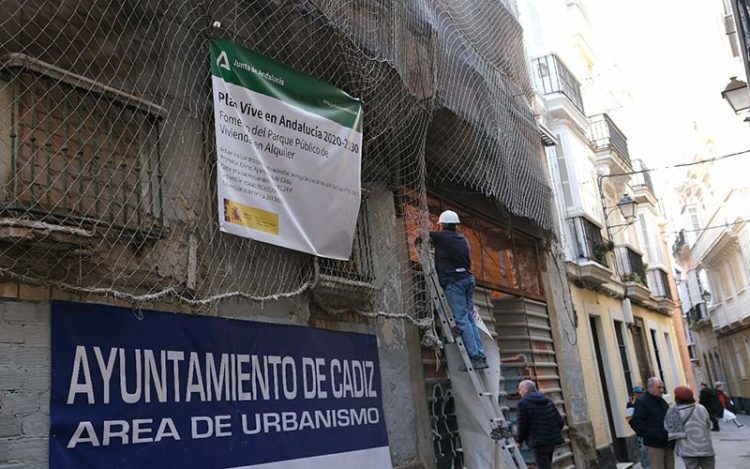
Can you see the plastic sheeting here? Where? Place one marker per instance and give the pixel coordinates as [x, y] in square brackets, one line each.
[474, 425]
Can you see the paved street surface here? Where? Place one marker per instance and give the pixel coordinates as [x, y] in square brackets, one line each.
[732, 446]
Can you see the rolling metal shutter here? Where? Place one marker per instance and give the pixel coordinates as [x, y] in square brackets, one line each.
[527, 351]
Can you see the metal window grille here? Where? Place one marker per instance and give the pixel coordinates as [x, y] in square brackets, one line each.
[82, 158]
[360, 266]
[445, 437]
[552, 76]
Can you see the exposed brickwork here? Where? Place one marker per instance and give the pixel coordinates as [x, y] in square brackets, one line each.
[24, 383]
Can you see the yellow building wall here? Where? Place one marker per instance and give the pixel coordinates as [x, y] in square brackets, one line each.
[670, 353]
[606, 309]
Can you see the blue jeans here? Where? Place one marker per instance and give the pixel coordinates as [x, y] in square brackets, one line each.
[460, 296]
[645, 460]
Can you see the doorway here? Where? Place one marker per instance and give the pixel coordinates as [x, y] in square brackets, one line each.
[596, 333]
[641, 350]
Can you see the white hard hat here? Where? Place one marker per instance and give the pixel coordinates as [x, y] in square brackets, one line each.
[449, 217]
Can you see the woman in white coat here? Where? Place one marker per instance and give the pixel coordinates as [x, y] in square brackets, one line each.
[689, 425]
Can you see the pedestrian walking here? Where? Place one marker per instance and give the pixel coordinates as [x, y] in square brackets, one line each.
[689, 425]
[453, 265]
[648, 423]
[726, 404]
[638, 392]
[709, 398]
[539, 424]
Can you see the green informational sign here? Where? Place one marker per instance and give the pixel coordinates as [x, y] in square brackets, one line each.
[289, 154]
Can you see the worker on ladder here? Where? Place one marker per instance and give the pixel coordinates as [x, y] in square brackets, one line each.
[453, 266]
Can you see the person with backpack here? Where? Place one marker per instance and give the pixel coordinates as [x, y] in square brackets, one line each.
[539, 424]
[689, 425]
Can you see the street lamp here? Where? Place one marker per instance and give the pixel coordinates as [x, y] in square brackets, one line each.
[706, 295]
[627, 207]
[737, 95]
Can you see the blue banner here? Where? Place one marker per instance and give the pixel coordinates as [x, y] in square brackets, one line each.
[166, 390]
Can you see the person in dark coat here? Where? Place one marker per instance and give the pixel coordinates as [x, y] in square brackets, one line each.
[539, 424]
[709, 398]
[648, 423]
[638, 392]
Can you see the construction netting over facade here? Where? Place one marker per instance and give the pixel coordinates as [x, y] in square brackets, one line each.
[107, 151]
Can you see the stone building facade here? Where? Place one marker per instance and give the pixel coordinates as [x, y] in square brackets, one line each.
[107, 162]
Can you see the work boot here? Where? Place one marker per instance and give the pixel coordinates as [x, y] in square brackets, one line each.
[477, 363]
[481, 363]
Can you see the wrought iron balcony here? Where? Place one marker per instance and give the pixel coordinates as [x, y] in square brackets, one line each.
[590, 244]
[697, 313]
[605, 135]
[633, 269]
[592, 265]
[552, 76]
[641, 179]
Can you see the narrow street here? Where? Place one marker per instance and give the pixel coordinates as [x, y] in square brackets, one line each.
[732, 446]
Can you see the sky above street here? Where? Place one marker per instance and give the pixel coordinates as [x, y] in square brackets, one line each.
[669, 60]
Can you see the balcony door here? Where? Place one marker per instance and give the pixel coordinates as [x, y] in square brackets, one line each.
[641, 350]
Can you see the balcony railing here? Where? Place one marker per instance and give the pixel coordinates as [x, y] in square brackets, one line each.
[633, 269]
[552, 76]
[83, 159]
[606, 135]
[660, 284]
[590, 244]
[642, 179]
[697, 313]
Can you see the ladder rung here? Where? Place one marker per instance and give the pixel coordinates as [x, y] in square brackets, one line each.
[442, 308]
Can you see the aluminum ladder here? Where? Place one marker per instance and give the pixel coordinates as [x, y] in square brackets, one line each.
[501, 433]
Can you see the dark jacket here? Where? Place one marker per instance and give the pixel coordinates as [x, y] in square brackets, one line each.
[539, 422]
[452, 256]
[648, 421]
[709, 398]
